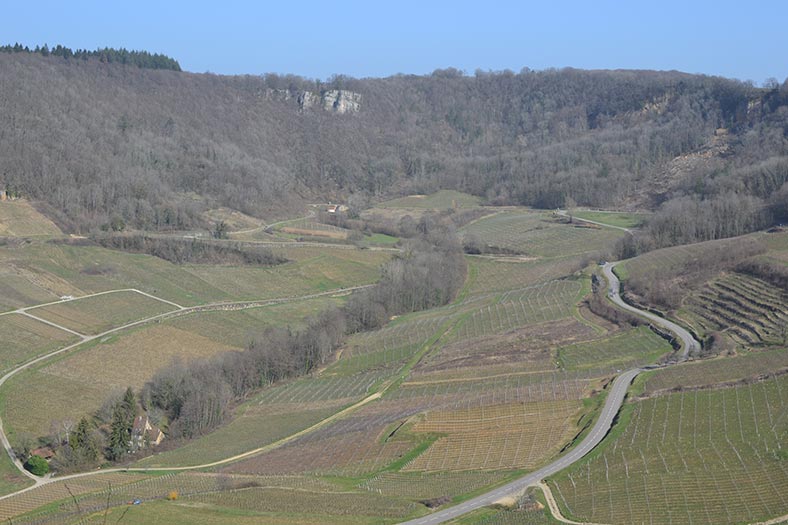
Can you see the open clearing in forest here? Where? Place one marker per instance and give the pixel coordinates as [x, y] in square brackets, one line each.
[19, 218]
[703, 457]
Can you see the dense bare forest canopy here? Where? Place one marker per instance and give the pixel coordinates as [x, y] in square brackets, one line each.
[95, 140]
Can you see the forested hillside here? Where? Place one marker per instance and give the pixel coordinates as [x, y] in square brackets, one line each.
[156, 147]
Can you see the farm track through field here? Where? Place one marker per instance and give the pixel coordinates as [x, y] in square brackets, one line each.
[600, 429]
[610, 410]
[563, 213]
[179, 311]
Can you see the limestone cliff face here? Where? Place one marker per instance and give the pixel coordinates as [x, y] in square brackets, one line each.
[306, 99]
[333, 100]
[341, 101]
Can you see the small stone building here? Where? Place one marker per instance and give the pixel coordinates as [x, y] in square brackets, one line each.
[143, 434]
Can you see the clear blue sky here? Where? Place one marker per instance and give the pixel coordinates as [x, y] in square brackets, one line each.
[745, 40]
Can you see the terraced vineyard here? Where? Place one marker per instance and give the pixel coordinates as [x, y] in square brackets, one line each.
[466, 396]
[710, 456]
[747, 309]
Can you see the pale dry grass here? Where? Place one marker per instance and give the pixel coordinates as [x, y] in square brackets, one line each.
[20, 219]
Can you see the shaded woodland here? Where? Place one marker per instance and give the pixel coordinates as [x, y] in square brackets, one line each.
[93, 140]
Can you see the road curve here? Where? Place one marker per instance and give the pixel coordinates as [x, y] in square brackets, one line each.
[600, 429]
[612, 405]
[688, 342]
[614, 400]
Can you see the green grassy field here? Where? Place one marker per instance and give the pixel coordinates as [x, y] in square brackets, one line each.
[538, 234]
[97, 314]
[718, 370]
[20, 219]
[498, 382]
[24, 338]
[708, 456]
[635, 347]
[18, 290]
[622, 220]
[79, 270]
[135, 358]
[10, 478]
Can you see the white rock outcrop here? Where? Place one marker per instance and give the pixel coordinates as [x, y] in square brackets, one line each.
[341, 101]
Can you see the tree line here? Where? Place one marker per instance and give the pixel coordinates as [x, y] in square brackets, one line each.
[105, 55]
[93, 141]
[193, 398]
[181, 251]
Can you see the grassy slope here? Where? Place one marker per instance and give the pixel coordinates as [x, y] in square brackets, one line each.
[20, 219]
[622, 220]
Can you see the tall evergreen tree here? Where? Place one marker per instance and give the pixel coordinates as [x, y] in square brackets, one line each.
[83, 441]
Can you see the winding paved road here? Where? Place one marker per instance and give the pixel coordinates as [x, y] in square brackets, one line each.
[688, 343]
[600, 429]
[612, 405]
